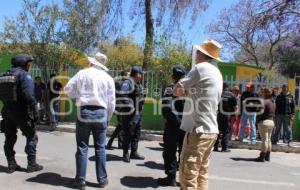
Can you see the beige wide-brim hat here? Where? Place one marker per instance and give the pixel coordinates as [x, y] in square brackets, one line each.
[210, 48]
[100, 60]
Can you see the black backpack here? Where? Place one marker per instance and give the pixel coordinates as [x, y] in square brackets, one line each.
[8, 86]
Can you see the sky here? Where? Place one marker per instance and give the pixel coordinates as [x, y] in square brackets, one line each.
[194, 35]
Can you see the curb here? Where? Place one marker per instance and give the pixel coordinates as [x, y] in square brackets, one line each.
[150, 135]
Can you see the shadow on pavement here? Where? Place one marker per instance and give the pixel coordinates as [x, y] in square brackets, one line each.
[55, 179]
[152, 165]
[244, 159]
[3, 169]
[156, 148]
[109, 157]
[139, 182]
[52, 179]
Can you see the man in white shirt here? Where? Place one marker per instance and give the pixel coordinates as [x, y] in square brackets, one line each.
[203, 88]
[94, 91]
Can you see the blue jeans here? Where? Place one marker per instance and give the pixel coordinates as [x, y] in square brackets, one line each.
[282, 120]
[95, 121]
[54, 110]
[252, 120]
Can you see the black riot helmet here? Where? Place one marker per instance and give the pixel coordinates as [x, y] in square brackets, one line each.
[178, 72]
[135, 70]
[21, 60]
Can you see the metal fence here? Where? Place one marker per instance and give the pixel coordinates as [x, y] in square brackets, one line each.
[152, 81]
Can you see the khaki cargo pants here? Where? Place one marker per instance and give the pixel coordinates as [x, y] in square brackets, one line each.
[194, 160]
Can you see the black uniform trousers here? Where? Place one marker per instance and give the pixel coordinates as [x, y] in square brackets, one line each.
[11, 124]
[131, 126]
[173, 140]
[224, 131]
[117, 132]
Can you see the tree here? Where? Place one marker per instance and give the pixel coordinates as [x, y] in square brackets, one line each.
[244, 29]
[83, 22]
[168, 15]
[35, 27]
[289, 56]
[168, 54]
[123, 53]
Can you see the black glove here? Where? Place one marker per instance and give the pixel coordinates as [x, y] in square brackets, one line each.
[33, 113]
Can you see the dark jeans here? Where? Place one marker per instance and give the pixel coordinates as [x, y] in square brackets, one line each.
[11, 122]
[282, 121]
[131, 126]
[224, 131]
[173, 139]
[54, 110]
[95, 121]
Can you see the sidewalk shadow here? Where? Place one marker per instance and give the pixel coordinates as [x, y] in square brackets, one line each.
[139, 182]
[55, 179]
[152, 165]
[3, 169]
[109, 157]
[244, 159]
[156, 148]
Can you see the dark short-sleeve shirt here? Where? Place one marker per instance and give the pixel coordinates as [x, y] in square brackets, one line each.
[39, 90]
[54, 89]
[228, 103]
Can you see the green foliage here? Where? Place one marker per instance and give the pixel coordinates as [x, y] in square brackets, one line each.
[83, 23]
[122, 53]
[169, 54]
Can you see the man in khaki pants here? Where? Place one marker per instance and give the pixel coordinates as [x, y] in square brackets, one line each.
[202, 88]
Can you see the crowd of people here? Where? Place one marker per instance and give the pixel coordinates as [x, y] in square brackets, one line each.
[199, 111]
[47, 97]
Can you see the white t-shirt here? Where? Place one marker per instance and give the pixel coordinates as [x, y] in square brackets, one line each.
[204, 84]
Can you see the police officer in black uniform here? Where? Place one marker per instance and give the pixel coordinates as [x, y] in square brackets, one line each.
[172, 108]
[118, 129]
[227, 108]
[21, 113]
[133, 96]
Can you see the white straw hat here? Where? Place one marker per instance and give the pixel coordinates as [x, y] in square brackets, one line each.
[100, 60]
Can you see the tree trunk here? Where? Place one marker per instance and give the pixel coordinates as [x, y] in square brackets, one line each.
[148, 49]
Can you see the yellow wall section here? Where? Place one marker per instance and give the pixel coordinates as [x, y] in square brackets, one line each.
[246, 73]
[292, 85]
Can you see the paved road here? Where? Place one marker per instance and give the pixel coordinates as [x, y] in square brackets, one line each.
[232, 171]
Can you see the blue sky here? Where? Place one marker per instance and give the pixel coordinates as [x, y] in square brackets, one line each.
[194, 35]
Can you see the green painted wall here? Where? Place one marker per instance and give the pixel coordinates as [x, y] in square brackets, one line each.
[296, 126]
[4, 65]
[228, 70]
[150, 120]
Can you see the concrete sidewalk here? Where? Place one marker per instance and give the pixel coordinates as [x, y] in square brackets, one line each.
[157, 136]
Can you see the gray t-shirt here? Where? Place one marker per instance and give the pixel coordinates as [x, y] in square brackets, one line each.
[204, 85]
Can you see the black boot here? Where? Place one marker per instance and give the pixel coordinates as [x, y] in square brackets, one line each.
[33, 166]
[126, 157]
[78, 185]
[261, 157]
[267, 158]
[136, 156]
[109, 145]
[13, 166]
[167, 181]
